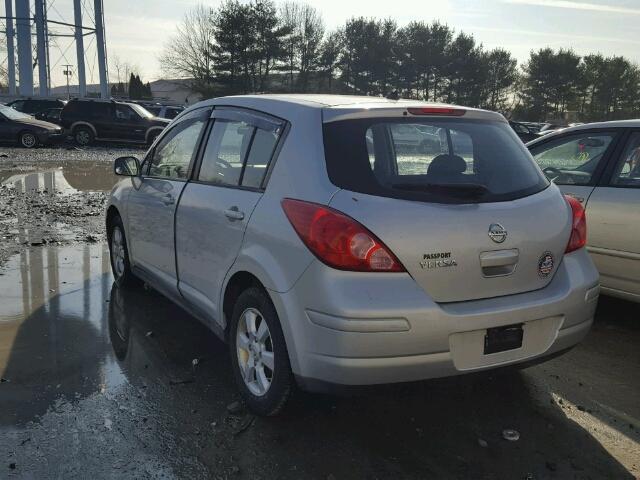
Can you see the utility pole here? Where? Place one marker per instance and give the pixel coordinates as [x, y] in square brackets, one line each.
[11, 57]
[67, 73]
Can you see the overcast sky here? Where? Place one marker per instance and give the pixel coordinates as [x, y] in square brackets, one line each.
[137, 29]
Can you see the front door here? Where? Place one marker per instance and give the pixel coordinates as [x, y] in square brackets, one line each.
[575, 161]
[127, 124]
[152, 203]
[215, 208]
[613, 218]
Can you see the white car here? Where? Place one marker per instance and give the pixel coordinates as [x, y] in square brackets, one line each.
[326, 259]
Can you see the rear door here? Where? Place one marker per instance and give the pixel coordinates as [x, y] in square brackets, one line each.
[216, 205]
[100, 115]
[613, 218]
[478, 220]
[152, 203]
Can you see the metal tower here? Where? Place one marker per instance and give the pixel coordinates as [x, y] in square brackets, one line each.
[24, 20]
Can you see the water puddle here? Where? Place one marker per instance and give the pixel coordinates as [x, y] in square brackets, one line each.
[63, 179]
[68, 333]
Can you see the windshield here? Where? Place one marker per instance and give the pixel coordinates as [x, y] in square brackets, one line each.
[143, 112]
[441, 160]
[12, 114]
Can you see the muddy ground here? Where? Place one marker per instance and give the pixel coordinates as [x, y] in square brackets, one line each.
[103, 383]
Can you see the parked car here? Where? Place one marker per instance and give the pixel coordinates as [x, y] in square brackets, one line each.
[321, 262]
[165, 111]
[35, 105]
[599, 165]
[51, 115]
[18, 127]
[108, 120]
[524, 133]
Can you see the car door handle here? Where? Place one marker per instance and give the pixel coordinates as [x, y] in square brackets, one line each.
[234, 214]
[168, 199]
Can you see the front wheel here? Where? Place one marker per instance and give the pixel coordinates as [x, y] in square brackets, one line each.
[28, 140]
[119, 255]
[259, 354]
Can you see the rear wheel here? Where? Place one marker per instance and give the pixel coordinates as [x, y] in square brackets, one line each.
[83, 136]
[119, 254]
[259, 354]
[28, 139]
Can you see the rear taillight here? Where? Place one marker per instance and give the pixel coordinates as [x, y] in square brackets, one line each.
[445, 111]
[578, 238]
[338, 240]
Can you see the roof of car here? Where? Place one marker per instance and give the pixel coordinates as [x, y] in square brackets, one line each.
[268, 102]
[633, 123]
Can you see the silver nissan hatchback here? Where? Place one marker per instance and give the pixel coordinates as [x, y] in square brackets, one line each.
[340, 241]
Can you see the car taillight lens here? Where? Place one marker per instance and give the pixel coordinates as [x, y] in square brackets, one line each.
[338, 240]
[578, 238]
[445, 111]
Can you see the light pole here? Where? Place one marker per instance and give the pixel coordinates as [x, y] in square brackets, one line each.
[67, 73]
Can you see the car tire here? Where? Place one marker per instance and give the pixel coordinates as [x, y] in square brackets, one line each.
[119, 255]
[83, 136]
[259, 356]
[28, 139]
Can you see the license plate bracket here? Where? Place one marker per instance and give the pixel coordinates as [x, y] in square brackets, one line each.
[501, 339]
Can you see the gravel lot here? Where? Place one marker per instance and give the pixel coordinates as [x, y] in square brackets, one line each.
[103, 383]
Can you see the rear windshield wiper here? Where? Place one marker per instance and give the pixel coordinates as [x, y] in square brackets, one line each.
[471, 189]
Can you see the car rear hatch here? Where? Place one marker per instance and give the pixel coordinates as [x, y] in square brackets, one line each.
[469, 217]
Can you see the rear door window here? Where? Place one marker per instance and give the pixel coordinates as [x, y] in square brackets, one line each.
[442, 160]
[225, 152]
[262, 149]
[627, 171]
[572, 160]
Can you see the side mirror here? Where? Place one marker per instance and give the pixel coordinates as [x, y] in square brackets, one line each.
[127, 167]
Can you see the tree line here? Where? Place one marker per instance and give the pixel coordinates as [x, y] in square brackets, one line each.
[263, 47]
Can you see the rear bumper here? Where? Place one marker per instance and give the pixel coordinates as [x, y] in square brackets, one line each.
[351, 328]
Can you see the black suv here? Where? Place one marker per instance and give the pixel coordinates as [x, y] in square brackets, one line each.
[33, 106]
[89, 120]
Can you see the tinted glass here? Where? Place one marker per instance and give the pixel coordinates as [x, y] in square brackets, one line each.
[18, 105]
[98, 110]
[126, 113]
[176, 149]
[262, 147]
[172, 112]
[572, 160]
[225, 152]
[444, 160]
[627, 172]
[154, 110]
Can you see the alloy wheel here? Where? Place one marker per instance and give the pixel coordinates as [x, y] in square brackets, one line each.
[117, 252]
[28, 140]
[254, 348]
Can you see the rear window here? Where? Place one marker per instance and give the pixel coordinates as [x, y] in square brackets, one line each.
[443, 160]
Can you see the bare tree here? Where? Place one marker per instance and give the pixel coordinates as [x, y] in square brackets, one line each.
[189, 52]
[123, 70]
[302, 44]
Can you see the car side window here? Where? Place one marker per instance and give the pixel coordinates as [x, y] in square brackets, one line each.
[174, 152]
[262, 148]
[125, 112]
[225, 152]
[627, 171]
[572, 160]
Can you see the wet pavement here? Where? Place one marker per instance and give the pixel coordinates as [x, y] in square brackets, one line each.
[54, 198]
[98, 382]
